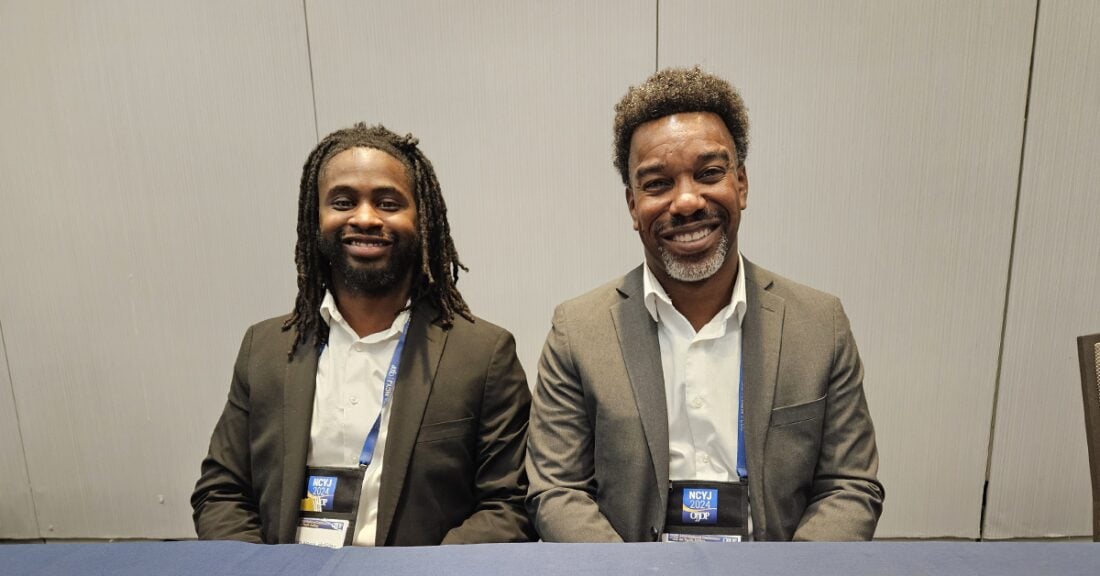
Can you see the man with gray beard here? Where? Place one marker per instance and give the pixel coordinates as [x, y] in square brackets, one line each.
[699, 397]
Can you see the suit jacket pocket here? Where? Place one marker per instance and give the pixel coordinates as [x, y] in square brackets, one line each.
[445, 430]
[785, 415]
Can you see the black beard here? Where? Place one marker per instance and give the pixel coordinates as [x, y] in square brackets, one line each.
[404, 256]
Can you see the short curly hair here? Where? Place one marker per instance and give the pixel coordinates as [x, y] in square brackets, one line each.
[673, 91]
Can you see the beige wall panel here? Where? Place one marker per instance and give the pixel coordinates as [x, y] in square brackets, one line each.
[143, 148]
[883, 168]
[1039, 477]
[512, 102]
[16, 507]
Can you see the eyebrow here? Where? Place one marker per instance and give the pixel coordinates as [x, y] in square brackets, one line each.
[703, 159]
[715, 155]
[348, 189]
[646, 171]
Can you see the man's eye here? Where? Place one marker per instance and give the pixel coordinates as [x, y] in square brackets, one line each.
[389, 205]
[343, 204]
[712, 174]
[655, 186]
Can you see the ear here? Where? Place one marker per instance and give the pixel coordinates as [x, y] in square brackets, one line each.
[630, 205]
[742, 185]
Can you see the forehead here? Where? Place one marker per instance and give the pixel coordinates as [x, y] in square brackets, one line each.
[359, 165]
[689, 131]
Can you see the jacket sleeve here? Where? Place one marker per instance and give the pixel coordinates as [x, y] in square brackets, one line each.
[561, 450]
[224, 503]
[846, 497]
[500, 484]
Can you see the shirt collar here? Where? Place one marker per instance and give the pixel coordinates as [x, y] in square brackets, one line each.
[653, 291]
[330, 313]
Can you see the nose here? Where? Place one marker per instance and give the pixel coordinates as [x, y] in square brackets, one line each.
[687, 199]
[365, 216]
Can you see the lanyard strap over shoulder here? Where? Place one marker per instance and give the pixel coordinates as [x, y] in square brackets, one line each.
[367, 454]
[742, 468]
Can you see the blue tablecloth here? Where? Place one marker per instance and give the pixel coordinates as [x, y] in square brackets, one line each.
[756, 559]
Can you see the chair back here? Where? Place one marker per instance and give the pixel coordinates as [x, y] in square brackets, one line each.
[1088, 351]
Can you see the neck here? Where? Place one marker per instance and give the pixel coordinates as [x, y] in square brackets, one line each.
[370, 313]
[700, 301]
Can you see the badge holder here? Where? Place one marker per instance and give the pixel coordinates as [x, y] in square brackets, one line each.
[707, 512]
[331, 503]
[328, 512]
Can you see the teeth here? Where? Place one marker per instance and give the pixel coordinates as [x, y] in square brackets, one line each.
[691, 236]
[365, 243]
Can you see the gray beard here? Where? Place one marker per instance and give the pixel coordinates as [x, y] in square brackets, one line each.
[696, 271]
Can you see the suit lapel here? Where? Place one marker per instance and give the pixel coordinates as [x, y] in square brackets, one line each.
[423, 349]
[298, 390]
[641, 352]
[761, 336]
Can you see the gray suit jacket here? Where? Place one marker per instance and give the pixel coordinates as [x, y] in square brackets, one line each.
[453, 471]
[598, 441]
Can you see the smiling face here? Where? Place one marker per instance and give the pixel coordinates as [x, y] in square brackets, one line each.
[367, 221]
[686, 195]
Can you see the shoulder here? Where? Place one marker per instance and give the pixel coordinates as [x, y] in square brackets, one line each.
[808, 311]
[269, 337]
[477, 329]
[271, 328]
[794, 293]
[603, 297]
[476, 351]
[270, 325]
[469, 341]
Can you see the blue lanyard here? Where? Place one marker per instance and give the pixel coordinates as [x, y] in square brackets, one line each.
[387, 390]
[742, 468]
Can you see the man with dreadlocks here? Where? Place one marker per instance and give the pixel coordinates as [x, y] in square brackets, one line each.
[380, 411]
[699, 397]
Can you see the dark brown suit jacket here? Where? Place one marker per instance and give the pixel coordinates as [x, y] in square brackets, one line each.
[455, 448]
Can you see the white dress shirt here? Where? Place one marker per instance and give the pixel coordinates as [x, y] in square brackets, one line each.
[701, 371]
[348, 398]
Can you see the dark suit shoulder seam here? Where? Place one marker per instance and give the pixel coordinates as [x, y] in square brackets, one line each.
[568, 344]
[247, 345]
[835, 309]
[493, 355]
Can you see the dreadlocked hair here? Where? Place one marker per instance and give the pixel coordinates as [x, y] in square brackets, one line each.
[439, 262]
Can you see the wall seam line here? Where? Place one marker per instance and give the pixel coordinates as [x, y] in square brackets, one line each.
[1008, 278]
[19, 430]
[657, 37]
[312, 86]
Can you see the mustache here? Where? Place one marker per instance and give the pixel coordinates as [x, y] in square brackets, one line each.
[379, 233]
[710, 213]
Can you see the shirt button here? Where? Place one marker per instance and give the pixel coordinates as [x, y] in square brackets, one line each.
[697, 403]
[354, 400]
[704, 459]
